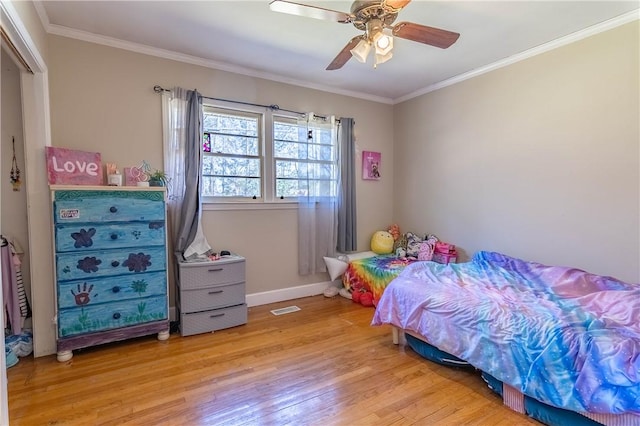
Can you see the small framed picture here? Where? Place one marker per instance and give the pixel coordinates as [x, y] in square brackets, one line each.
[371, 165]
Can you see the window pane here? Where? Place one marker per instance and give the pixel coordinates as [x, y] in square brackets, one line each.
[289, 131]
[302, 169]
[230, 124]
[230, 166]
[213, 186]
[229, 144]
[291, 188]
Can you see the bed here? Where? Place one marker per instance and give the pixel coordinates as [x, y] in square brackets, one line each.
[548, 335]
[373, 273]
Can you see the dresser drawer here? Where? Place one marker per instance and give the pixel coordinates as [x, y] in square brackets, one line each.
[103, 263]
[114, 206]
[111, 289]
[212, 297]
[211, 273]
[217, 319]
[105, 316]
[82, 237]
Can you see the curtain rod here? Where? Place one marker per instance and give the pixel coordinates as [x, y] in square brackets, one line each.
[272, 107]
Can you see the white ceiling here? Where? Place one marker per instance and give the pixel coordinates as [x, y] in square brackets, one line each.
[246, 37]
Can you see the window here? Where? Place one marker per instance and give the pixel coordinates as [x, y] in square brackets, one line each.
[241, 162]
[305, 159]
[232, 161]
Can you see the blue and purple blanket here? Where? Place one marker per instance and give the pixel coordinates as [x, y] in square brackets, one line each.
[560, 335]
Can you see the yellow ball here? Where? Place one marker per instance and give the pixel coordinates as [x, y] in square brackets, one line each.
[382, 242]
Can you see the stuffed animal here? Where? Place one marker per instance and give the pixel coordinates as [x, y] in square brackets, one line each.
[413, 245]
[394, 230]
[427, 248]
[382, 242]
[366, 299]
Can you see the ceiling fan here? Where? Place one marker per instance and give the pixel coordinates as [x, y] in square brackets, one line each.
[372, 17]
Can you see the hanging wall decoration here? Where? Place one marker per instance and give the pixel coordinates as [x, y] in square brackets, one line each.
[371, 165]
[15, 170]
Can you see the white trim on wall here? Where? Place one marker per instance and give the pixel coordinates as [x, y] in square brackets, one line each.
[554, 44]
[180, 57]
[290, 293]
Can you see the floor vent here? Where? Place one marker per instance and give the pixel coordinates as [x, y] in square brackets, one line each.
[286, 310]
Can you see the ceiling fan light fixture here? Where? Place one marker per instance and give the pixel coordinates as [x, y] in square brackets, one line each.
[361, 51]
[383, 43]
[381, 59]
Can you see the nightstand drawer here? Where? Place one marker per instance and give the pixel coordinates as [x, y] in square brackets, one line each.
[211, 273]
[217, 319]
[212, 297]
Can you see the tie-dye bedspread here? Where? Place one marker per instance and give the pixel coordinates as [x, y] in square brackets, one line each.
[373, 273]
[560, 335]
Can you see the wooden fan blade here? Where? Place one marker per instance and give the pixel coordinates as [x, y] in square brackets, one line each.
[344, 55]
[300, 9]
[396, 4]
[423, 34]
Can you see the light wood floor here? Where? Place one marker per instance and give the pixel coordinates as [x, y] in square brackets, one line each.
[323, 365]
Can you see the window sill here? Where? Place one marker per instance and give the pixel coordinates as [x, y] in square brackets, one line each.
[282, 205]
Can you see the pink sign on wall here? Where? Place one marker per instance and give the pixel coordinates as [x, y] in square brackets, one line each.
[71, 167]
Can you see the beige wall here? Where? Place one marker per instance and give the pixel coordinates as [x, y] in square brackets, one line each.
[538, 160]
[102, 100]
[13, 213]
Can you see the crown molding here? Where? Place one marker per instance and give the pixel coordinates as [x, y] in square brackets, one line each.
[563, 41]
[194, 60]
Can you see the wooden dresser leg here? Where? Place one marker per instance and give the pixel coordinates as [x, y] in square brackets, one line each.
[163, 335]
[64, 356]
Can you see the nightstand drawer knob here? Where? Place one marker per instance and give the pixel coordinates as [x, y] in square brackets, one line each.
[114, 236]
[115, 263]
[215, 270]
[216, 315]
[115, 289]
[113, 209]
[216, 292]
[116, 316]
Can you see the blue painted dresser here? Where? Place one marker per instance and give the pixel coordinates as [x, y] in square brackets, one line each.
[110, 265]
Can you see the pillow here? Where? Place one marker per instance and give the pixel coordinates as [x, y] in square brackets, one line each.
[335, 267]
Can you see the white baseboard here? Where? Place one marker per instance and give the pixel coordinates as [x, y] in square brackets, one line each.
[280, 295]
[273, 296]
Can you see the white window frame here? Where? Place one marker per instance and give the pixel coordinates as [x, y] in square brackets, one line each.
[268, 182]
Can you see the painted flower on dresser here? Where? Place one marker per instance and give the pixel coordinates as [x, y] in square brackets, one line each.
[137, 262]
[83, 238]
[89, 264]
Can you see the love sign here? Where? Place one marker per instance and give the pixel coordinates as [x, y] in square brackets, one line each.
[71, 167]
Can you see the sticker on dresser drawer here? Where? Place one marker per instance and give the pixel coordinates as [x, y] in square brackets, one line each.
[103, 263]
[117, 206]
[105, 316]
[111, 289]
[79, 237]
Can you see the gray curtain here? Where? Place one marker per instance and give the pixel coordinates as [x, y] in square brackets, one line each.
[190, 239]
[347, 225]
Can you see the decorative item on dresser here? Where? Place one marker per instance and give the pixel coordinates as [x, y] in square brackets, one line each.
[211, 294]
[110, 265]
